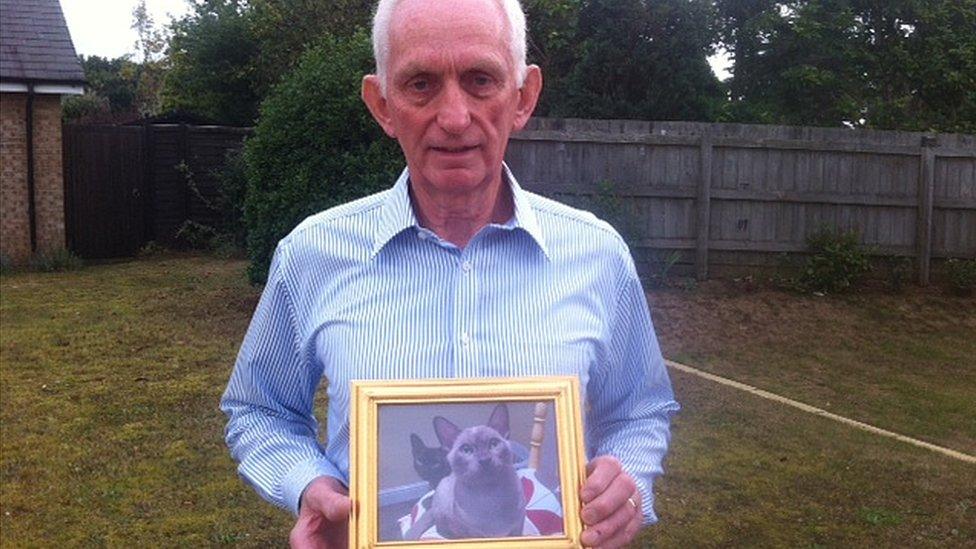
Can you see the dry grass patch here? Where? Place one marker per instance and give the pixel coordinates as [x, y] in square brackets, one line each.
[110, 379]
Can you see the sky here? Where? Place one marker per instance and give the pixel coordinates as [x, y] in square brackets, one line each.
[103, 27]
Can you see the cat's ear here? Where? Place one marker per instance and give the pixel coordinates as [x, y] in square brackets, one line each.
[418, 445]
[446, 432]
[499, 420]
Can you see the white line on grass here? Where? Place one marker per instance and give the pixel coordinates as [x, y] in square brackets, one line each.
[819, 412]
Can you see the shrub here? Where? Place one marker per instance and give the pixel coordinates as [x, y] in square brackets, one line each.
[56, 260]
[6, 264]
[232, 180]
[315, 146]
[962, 275]
[661, 268]
[837, 262]
[227, 236]
[898, 269]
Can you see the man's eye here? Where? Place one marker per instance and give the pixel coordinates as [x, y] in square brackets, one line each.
[419, 85]
[481, 80]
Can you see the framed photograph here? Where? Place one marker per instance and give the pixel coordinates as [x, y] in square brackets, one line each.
[478, 463]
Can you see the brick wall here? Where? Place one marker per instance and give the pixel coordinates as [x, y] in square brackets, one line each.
[48, 178]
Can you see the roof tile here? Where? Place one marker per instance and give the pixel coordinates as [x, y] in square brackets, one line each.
[35, 43]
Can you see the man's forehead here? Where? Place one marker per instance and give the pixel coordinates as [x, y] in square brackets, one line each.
[431, 23]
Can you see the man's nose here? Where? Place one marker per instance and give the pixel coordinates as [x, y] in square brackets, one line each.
[453, 115]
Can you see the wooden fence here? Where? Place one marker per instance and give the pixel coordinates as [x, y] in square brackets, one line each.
[127, 185]
[723, 196]
[734, 195]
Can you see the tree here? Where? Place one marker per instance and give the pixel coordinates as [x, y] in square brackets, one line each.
[315, 145]
[552, 26]
[642, 60]
[227, 55]
[212, 54]
[284, 29]
[150, 44]
[110, 92]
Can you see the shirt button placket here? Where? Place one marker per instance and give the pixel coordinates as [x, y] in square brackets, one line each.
[467, 297]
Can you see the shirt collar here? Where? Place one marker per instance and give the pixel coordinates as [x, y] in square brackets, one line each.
[397, 213]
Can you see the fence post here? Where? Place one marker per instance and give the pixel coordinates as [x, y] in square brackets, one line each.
[926, 187]
[703, 205]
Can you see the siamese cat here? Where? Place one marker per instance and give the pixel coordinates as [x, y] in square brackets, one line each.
[482, 496]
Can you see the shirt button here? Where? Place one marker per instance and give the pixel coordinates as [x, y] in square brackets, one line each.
[465, 340]
[466, 266]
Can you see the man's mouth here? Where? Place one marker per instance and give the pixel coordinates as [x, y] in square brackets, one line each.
[454, 150]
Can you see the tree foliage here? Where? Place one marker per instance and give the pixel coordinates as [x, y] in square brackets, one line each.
[626, 58]
[228, 54]
[903, 64]
[212, 55]
[315, 145]
[150, 44]
[111, 91]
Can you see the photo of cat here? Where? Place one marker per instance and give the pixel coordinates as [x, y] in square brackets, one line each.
[492, 472]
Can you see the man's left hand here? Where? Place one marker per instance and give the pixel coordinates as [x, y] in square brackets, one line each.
[611, 504]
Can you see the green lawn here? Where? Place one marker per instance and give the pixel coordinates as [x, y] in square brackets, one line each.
[110, 378]
[906, 363]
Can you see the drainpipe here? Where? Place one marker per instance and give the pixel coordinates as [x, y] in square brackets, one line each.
[31, 208]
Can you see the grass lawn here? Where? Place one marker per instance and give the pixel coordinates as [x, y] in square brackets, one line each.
[110, 378]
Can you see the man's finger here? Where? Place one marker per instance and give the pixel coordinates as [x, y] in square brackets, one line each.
[600, 473]
[615, 524]
[337, 508]
[614, 535]
[608, 502]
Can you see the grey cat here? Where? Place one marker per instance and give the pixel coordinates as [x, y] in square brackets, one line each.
[482, 497]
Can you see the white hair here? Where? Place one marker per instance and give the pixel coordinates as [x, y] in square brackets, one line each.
[381, 37]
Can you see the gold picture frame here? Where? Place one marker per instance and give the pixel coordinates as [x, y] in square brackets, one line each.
[373, 399]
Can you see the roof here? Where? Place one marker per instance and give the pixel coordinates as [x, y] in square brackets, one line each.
[35, 44]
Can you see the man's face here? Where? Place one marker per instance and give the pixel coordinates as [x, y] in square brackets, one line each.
[452, 98]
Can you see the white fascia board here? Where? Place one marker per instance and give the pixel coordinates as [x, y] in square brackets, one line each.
[43, 89]
[13, 87]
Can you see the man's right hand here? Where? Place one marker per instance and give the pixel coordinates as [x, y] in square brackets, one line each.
[323, 519]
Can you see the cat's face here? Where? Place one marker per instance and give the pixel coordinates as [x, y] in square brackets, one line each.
[479, 450]
[430, 463]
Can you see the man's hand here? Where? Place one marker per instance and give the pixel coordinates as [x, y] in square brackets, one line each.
[323, 520]
[611, 505]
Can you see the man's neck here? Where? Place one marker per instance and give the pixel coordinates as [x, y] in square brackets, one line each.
[457, 217]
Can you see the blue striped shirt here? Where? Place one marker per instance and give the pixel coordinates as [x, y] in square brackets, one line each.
[362, 291]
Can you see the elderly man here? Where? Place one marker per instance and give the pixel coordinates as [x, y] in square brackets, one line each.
[454, 272]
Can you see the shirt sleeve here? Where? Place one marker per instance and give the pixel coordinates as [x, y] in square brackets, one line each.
[272, 432]
[630, 395]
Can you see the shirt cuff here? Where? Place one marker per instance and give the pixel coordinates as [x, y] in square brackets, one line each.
[301, 475]
[647, 502]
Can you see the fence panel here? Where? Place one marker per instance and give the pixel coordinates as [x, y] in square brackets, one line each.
[740, 195]
[127, 185]
[105, 190]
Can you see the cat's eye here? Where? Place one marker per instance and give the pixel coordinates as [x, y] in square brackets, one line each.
[494, 442]
[467, 448]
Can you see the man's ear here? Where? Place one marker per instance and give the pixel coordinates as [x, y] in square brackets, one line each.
[528, 96]
[377, 104]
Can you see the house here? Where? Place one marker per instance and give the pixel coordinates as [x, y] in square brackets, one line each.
[38, 65]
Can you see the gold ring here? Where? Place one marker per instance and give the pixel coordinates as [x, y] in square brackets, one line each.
[632, 502]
